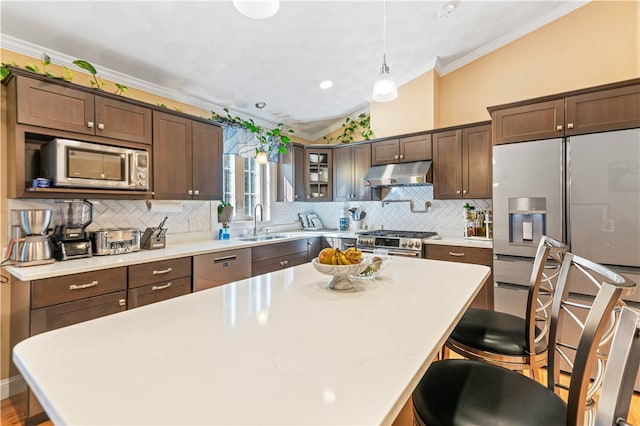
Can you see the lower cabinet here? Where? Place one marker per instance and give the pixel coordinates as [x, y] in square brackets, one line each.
[273, 257]
[156, 281]
[476, 255]
[214, 269]
[314, 246]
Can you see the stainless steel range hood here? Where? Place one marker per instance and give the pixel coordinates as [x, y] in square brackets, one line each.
[416, 173]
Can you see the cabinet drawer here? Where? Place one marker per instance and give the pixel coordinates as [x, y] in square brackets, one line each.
[62, 315]
[211, 270]
[67, 288]
[480, 256]
[272, 251]
[270, 265]
[152, 293]
[164, 270]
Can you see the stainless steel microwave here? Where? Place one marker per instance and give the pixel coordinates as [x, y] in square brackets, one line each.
[77, 164]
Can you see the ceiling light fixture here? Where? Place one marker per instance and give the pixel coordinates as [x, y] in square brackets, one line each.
[257, 9]
[446, 10]
[262, 157]
[261, 105]
[384, 88]
[326, 84]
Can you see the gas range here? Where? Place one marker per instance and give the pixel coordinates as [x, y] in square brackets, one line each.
[408, 243]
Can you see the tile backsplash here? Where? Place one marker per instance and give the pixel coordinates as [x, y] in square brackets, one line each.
[192, 220]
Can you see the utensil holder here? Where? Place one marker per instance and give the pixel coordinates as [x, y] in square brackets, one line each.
[153, 238]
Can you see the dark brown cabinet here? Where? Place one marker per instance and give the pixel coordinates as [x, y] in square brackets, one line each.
[156, 281]
[613, 108]
[187, 158]
[214, 269]
[401, 150]
[291, 173]
[315, 246]
[273, 257]
[350, 165]
[475, 255]
[45, 104]
[318, 174]
[462, 165]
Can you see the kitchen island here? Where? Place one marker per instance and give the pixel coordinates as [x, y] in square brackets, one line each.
[278, 348]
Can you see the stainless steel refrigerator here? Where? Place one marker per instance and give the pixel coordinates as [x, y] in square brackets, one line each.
[582, 190]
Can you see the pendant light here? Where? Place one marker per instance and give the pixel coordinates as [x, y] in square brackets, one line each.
[262, 157]
[257, 9]
[384, 88]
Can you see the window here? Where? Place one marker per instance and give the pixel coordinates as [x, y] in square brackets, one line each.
[247, 183]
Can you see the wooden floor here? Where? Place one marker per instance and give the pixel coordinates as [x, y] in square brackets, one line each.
[10, 417]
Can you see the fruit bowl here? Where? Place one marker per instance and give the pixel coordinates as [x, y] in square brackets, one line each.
[375, 265]
[340, 273]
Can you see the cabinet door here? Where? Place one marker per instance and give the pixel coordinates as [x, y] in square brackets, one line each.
[172, 175]
[319, 174]
[120, 120]
[276, 264]
[477, 162]
[542, 120]
[602, 111]
[447, 165]
[314, 247]
[49, 105]
[415, 148]
[157, 292]
[64, 314]
[207, 161]
[361, 163]
[385, 152]
[291, 175]
[343, 174]
[161, 270]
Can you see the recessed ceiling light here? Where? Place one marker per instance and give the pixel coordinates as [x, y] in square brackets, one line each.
[446, 10]
[326, 84]
[261, 105]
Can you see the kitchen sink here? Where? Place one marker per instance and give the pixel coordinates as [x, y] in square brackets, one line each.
[261, 237]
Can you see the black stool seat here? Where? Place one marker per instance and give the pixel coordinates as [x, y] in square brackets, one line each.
[464, 392]
[495, 332]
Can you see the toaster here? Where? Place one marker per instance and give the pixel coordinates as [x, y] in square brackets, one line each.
[115, 241]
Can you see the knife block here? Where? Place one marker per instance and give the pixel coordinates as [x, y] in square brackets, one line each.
[150, 239]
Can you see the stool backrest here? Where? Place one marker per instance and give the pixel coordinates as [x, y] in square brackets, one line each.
[601, 316]
[542, 285]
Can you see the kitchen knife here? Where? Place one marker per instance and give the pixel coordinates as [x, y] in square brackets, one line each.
[158, 229]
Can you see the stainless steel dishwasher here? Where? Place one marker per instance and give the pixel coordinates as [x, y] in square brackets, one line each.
[222, 267]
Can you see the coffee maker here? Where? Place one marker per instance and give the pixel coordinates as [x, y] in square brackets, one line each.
[29, 244]
[70, 240]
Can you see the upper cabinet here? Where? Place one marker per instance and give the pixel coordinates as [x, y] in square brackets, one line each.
[350, 165]
[291, 173]
[318, 174]
[462, 166]
[45, 104]
[187, 158]
[402, 150]
[613, 107]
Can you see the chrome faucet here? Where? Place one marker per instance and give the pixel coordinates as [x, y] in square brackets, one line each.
[255, 218]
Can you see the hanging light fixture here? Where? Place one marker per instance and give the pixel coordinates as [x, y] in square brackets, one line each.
[384, 88]
[257, 9]
[262, 157]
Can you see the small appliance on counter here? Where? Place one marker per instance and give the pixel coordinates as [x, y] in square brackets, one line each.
[70, 239]
[115, 241]
[154, 238]
[29, 238]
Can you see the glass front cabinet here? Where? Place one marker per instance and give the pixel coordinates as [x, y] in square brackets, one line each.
[318, 174]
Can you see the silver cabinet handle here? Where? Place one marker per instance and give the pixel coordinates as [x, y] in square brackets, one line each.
[395, 156]
[196, 192]
[160, 287]
[190, 192]
[569, 125]
[464, 191]
[284, 262]
[401, 156]
[101, 126]
[559, 127]
[458, 191]
[122, 302]
[224, 259]
[90, 124]
[163, 271]
[456, 254]
[81, 286]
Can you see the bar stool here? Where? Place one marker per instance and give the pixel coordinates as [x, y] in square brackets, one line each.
[508, 340]
[459, 391]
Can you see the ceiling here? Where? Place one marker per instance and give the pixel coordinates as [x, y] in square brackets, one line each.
[208, 55]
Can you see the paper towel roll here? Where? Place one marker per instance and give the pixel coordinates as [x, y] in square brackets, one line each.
[164, 206]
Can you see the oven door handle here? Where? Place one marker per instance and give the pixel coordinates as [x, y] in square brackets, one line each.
[395, 253]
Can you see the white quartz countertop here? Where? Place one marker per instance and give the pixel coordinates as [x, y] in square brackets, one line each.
[277, 349]
[28, 273]
[460, 241]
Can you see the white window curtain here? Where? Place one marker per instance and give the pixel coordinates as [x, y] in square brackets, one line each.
[240, 141]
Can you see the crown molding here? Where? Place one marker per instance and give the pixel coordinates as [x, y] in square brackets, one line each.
[505, 39]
